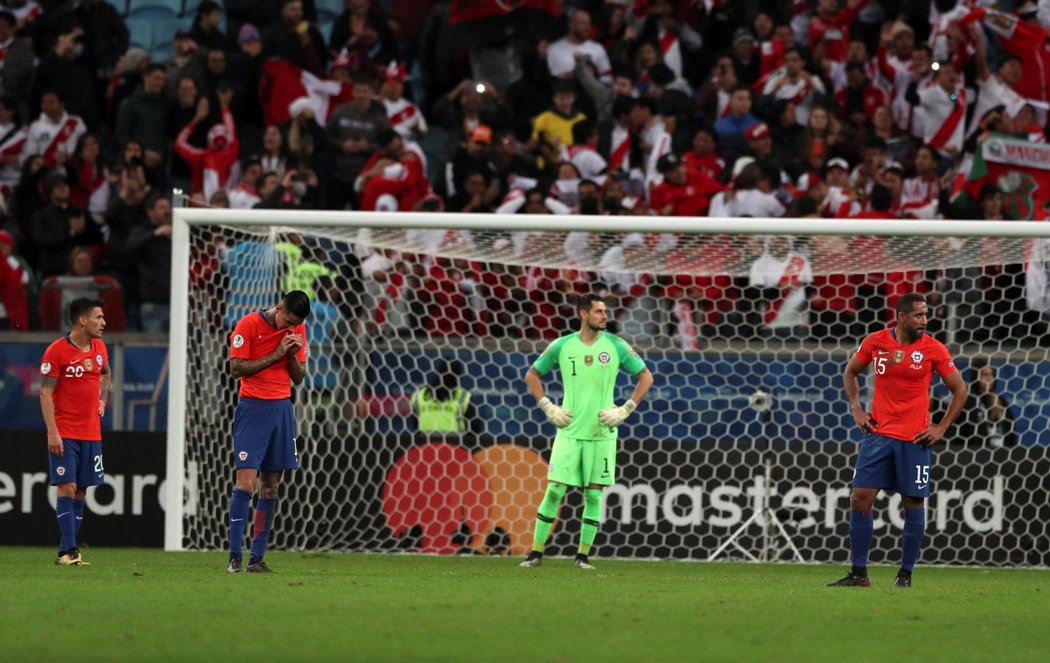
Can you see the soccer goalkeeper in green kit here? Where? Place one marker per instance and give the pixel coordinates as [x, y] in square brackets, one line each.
[584, 452]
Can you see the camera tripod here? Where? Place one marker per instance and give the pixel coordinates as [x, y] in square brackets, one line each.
[762, 404]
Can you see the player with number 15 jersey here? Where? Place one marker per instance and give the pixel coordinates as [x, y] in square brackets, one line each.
[895, 453]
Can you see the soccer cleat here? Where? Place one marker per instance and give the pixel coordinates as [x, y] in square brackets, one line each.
[234, 566]
[903, 581]
[534, 559]
[851, 580]
[259, 567]
[70, 557]
[581, 563]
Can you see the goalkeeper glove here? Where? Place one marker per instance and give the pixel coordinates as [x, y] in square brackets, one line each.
[614, 416]
[559, 416]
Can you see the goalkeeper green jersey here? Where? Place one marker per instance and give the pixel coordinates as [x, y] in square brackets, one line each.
[588, 373]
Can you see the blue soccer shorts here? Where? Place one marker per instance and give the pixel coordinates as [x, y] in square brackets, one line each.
[81, 463]
[264, 435]
[891, 464]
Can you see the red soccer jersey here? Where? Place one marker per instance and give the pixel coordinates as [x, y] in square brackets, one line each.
[693, 198]
[77, 391]
[254, 338]
[902, 381]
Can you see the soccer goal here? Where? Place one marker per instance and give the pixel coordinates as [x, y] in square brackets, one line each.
[745, 323]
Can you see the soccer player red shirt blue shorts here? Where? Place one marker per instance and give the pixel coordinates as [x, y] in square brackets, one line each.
[264, 422]
[889, 458]
[78, 374]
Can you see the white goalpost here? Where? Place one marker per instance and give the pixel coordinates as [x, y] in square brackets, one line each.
[720, 309]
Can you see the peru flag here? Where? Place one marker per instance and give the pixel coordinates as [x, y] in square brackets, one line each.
[282, 83]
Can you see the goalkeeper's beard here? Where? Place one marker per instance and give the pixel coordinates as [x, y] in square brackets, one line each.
[597, 328]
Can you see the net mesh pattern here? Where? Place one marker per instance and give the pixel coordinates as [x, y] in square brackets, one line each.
[717, 318]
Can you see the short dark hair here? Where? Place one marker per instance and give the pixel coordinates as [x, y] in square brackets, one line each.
[207, 7]
[82, 306]
[926, 147]
[153, 198]
[987, 191]
[661, 74]
[587, 302]
[1007, 59]
[647, 103]
[386, 136]
[771, 172]
[360, 77]
[562, 86]
[705, 129]
[623, 105]
[297, 303]
[906, 303]
[154, 67]
[881, 198]
[9, 18]
[582, 131]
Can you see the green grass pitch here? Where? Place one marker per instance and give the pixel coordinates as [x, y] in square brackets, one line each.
[147, 605]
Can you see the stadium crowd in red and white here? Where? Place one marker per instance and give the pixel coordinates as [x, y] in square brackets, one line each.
[820, 108]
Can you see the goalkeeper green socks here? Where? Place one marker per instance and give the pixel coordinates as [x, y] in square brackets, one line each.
[592, 511]
[547, 514]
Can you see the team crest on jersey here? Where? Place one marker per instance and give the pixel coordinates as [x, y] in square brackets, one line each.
[243, 455]
[917, 357]
[238, 341]
[588, 360]
[604, 357]
[45, 368]
[60, 471]
[98, 359]
[898, 356]
[88, 365]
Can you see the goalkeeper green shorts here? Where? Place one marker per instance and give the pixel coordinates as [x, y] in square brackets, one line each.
[583, 462]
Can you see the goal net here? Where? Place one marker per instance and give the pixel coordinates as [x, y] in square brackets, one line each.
[720, 310]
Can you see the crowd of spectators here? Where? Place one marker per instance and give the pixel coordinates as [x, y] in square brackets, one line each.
[763, 108]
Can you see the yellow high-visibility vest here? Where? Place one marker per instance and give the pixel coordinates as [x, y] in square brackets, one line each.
[441, 416]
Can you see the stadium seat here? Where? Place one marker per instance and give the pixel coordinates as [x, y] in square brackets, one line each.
[253, 279]
[325, 28]
[163, 35]
[141, 32]
[161, 52]
[156, 11]
[56, 291]
[329, 7]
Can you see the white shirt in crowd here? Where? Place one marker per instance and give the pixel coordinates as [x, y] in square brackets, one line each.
[561, 58]
[939, 108]
[44, 130]
[791, 274]
[749, 202]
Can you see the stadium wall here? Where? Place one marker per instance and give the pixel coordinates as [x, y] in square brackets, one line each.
[127, 511]
[677, 500]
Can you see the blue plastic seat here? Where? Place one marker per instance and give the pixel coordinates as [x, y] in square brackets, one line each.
[333, 7]
[159, 10]
[253, 280]
[141, 32]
